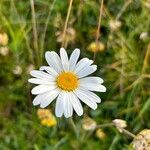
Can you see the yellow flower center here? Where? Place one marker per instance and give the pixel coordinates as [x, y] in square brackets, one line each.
[67, 81]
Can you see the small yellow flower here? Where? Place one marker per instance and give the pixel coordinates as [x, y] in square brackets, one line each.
[3, 39]
[142, 140]
[96, 47]
[120, 124]
[46, 117]
[100, 134]
[43, 113]
[89, 124]
[49, 122]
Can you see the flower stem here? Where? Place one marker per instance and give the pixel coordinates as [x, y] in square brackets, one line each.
[98, 27]
[105, 125]
[128, 133]
[112, 124]
[74, 127]
[147, 56]
[127, 3]
[66, 23]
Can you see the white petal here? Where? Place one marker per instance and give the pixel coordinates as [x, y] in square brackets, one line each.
[73, 59]
[81, 64]
[93, 87]
[67, 106]
[90, 62]
[64, 59]
[54, 61]
[84, 98]
[87, 71]
[59, 106]
[91, 95]
[42, 89]
[91, 80]
[82, 61]
[50, 70]
[49, 97]
[76, 104]
[37, 99]
[41, 75]
[85, 62]
[40, 81]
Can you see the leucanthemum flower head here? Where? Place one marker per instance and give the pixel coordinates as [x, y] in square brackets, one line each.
[66, 80]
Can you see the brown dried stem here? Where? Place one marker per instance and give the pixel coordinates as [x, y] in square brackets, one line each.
[99, 25]
[66, 23]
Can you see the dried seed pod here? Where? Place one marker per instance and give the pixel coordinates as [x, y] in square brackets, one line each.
[120, 124]
[142, 140]
[89, 124]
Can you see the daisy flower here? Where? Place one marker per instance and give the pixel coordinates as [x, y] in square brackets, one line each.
[66, 80]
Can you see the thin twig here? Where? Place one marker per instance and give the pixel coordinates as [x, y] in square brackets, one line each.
[66, 23]
[98, 27]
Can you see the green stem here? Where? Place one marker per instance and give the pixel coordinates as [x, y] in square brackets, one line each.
[105, 125]
[112, 124]
[128, 133]
[74, 127]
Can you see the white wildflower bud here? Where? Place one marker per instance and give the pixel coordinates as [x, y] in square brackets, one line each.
[142, 140]
[114, 25]
[89, 124]
[70, 35]
[4, 51]
[120, 124]
[144, 36]
[17, 70]
[147, 4]
[3, 39]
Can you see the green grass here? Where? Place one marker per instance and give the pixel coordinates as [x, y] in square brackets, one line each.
[124, 66]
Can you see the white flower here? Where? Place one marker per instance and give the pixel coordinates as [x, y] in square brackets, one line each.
[65, 79]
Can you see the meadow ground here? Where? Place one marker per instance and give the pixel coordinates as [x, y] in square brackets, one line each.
[122, 41]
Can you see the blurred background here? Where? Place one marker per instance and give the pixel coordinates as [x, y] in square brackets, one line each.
[29, 28]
